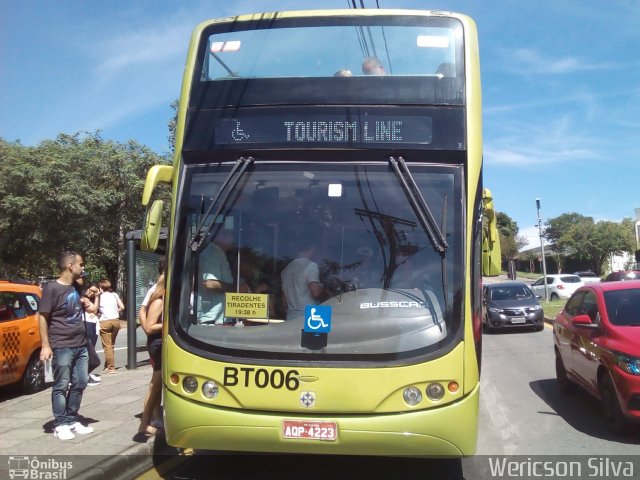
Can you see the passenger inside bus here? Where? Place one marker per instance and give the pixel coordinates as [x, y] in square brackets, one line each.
[301, 277]
[343, 73]
[372, 66]
[216, 279]
[446, 70]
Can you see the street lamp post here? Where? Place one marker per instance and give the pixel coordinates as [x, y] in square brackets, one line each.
[544, 263]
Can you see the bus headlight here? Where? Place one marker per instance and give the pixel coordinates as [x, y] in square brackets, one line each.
[435, 391]
[190, 384]
[412, 396]
[210, 389]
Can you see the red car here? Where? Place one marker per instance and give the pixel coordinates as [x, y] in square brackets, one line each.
[623, 275]
[597, 346]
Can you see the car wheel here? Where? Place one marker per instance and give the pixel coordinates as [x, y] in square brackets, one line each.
[614, 416]
[564, 384]
[554, 297]
[33, 377]
[486, 328]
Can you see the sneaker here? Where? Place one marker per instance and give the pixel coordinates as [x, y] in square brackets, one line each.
[81, 429]
[94, 377]
[63, 432]
[93, 383]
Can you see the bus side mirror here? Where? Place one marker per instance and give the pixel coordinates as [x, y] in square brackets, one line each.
[491, 254]
[156, 174]
[151, 229]
[153, 219]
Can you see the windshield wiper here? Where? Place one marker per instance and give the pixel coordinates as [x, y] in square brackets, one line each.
[224, 192]
[419, 205]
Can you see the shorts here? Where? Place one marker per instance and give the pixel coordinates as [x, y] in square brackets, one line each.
[154, 347]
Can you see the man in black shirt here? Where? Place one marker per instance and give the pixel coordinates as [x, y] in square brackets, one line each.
[64, 338]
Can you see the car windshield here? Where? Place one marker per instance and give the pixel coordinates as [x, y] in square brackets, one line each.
[623, 307]
[513, 292]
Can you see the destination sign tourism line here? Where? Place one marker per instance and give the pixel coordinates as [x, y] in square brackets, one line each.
[268, 129]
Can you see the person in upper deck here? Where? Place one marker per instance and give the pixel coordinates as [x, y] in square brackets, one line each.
[372, 66]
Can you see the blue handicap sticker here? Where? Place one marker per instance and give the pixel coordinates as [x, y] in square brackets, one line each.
[317, 318]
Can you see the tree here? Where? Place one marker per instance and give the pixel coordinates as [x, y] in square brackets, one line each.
[172, 124]
[76, 192]
[557, 227]
[575, 234]
[510, 243]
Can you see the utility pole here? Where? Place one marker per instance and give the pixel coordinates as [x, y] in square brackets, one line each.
[544, 262]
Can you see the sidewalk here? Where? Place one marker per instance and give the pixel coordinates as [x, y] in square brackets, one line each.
[112, 408]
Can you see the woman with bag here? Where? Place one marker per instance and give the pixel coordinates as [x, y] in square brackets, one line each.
[110, 308]
[152, 325]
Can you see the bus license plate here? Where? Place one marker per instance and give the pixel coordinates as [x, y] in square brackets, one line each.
[310, 430]
[518, 320]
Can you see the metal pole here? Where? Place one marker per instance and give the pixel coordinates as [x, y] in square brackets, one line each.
[130, 260]
[544, 262]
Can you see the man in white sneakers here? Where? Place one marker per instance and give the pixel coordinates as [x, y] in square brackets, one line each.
[63, 337]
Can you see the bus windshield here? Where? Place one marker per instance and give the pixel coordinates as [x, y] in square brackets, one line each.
[340, 235]
[334, 50]
[419, 59]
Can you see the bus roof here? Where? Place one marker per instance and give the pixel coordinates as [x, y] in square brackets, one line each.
[367, 12]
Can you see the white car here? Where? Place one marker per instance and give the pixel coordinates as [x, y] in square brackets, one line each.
[588, 276]
[558, 286]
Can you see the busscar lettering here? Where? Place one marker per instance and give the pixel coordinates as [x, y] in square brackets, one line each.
[401, 304]
[261, 378]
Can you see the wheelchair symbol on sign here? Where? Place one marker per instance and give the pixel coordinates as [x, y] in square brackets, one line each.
[314, 322]
[238, 134]
[317, 319]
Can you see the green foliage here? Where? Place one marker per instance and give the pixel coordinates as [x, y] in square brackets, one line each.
[552, 307]
[506, 225]
[172, 125]
[508, 230]
[577, 235]
[76, 192]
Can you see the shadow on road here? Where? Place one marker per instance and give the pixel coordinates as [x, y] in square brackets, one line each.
[580, 410]
[313, 467]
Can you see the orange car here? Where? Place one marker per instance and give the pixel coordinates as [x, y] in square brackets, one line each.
[20, 336]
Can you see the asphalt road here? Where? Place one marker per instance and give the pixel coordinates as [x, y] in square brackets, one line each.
[522, 415]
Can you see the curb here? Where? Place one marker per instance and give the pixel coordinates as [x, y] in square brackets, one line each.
[130, 463]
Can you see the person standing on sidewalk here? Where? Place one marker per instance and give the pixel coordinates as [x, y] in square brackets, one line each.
[63, 337]
[91, 303]
[152, 325]
[110, 308]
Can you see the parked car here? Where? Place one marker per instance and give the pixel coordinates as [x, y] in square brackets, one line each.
[511, 305]
[597, 346]
[20, 336]
[588, 277]
[623, 275]
[558, 286]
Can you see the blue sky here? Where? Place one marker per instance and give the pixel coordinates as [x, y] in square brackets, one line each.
[561, 87]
